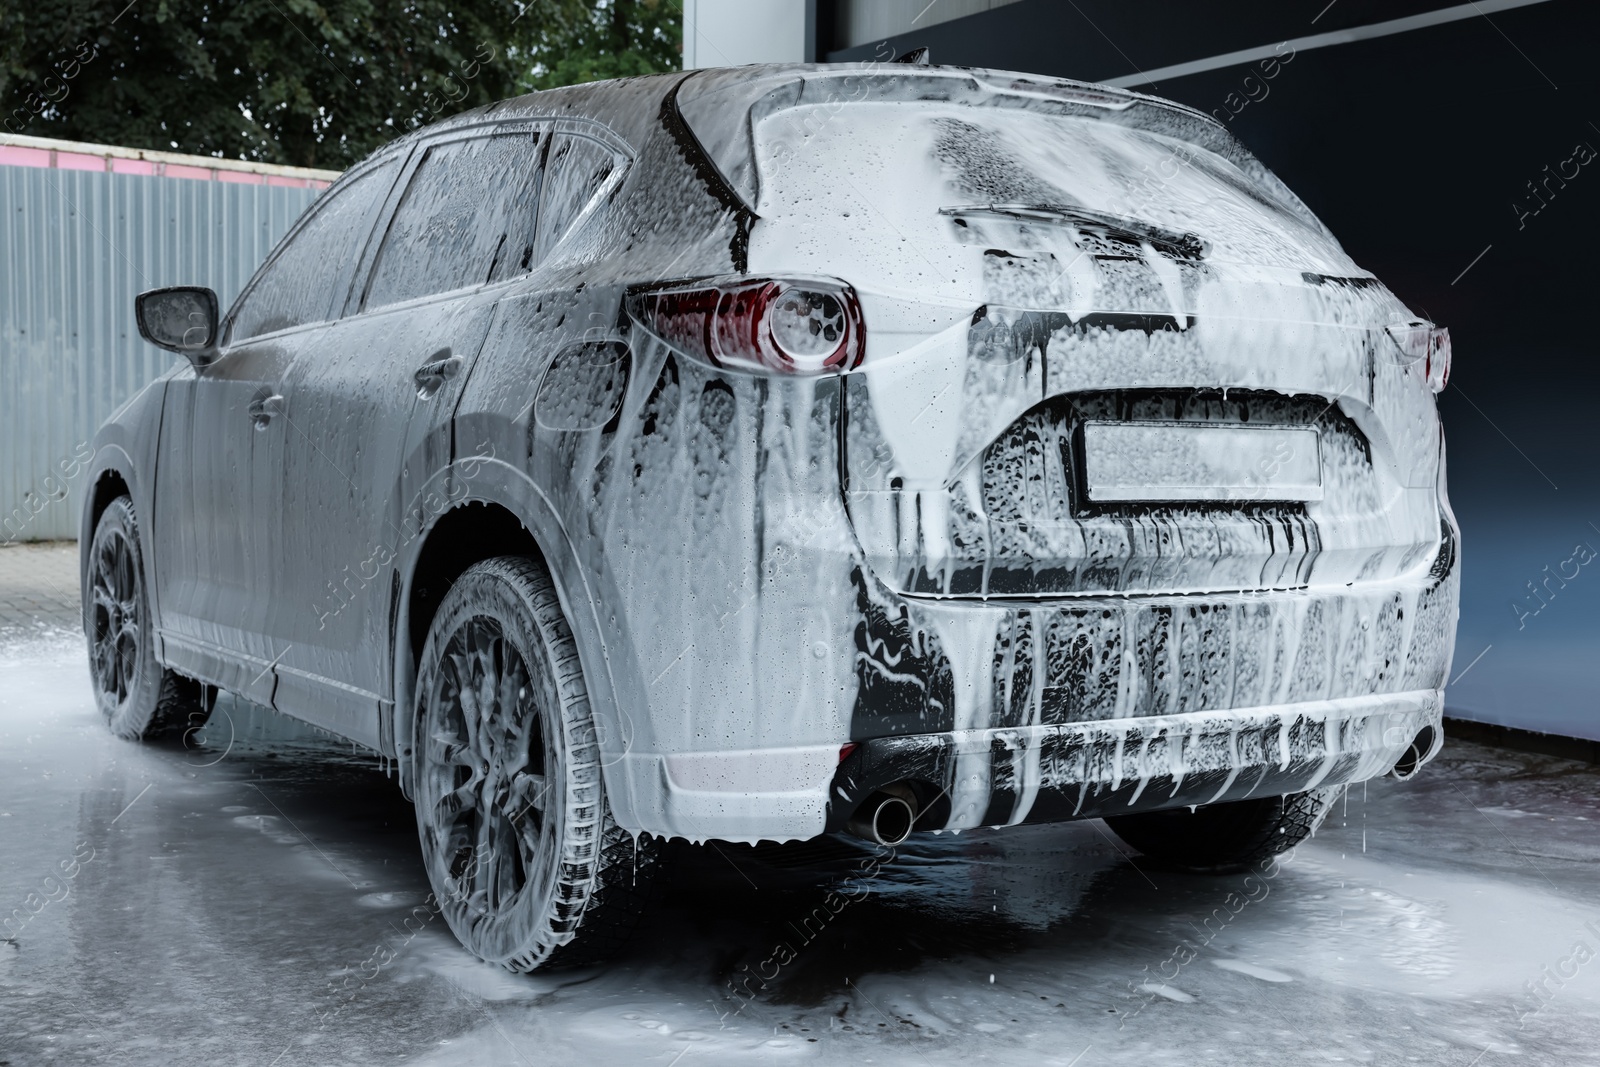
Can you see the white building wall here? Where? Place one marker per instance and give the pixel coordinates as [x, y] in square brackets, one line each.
[731, 33]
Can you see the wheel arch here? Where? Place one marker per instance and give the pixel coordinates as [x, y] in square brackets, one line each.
[123, 458]
[487, 509]
[113, 474]
[108, 484]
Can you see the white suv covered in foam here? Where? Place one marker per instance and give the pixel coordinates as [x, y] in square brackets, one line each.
[753, 454]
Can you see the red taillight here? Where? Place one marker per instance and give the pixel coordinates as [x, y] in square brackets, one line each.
[1426, 347]
[809, 326]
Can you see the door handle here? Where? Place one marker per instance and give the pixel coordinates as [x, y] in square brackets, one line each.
[265, 405]
[432, 375]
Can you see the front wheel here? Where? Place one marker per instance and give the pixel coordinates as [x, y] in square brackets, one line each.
[526, 864]
[139, 698]
[1220, 838]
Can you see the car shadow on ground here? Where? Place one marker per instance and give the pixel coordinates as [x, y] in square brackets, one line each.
[792, 924]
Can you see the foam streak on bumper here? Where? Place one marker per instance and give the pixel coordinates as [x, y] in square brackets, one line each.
[1120, 766]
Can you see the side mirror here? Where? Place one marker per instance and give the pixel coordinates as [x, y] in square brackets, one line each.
[181, 319]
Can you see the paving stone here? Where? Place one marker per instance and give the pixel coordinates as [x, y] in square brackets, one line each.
[39, 586]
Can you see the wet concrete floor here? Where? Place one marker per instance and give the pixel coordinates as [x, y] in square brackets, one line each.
[247, 901]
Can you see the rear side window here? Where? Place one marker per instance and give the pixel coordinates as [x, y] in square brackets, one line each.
[309, 279]
[575, 170]
[468, 217]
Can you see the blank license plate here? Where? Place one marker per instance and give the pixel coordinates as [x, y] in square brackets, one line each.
[1164, 461]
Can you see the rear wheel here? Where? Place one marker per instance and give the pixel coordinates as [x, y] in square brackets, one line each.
[1219, 838]
[140, 699]
[526, 864]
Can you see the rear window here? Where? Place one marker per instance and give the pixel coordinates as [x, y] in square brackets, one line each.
[908, 161]
[951, 138]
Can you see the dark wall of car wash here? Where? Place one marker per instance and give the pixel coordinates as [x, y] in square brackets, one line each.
[1455, 151]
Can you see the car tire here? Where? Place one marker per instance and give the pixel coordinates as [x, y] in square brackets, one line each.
[526, 864]
[140, 699]
[1223, 838]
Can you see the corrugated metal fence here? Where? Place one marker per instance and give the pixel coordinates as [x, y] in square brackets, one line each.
[76, 246]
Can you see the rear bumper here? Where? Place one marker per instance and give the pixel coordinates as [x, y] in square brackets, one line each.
[1012, 775]
[928, 666]
[1003, 713]
[1009, 775]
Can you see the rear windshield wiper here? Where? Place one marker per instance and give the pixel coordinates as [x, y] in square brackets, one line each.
[1114, 228]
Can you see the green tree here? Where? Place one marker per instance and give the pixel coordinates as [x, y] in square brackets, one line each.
[316, 84]
[614, 39]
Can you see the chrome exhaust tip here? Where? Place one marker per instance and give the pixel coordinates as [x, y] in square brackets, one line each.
[886, 817]
[1410, 761]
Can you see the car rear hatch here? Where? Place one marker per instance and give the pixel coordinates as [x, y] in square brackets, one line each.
[1107, 350]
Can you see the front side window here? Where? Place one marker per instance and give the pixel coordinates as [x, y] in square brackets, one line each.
[309, 278]
[468, 218]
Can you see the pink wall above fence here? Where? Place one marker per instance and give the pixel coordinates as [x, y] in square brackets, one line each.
[200, 169]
